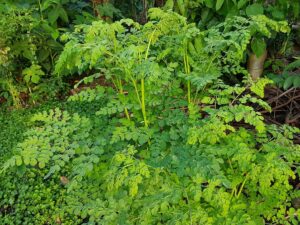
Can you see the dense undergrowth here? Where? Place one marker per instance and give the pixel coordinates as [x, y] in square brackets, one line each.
[173, 135]
[77, 167]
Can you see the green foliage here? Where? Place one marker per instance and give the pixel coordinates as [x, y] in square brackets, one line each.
[135, 57]
[65, 127]
[89, 95]
[146, 155]
[182, 169]
[210, 12]
[31, 31]
[29, 41]
[13, 126]
[258, 87]
[231, 39]
[33, 74]
[108, 10]
[290, 77]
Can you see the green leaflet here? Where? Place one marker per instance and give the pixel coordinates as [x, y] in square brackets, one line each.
[219, 4]
[259, 86]
[33, 74]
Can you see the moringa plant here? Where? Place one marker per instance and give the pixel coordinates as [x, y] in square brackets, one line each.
[162, 52]
[131, 55]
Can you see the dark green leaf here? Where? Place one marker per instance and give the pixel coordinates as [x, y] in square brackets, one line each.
[53, 15]
[241, 3]
[288, 82]
[296, 81]
[63, 15]
[254, 9]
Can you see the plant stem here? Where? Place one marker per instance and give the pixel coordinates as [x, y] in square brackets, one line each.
[149, 44]
[243, 184]
[233, 193]
[187, 71]
[122, 93]
[189, 82]
[143, 102]
[41, 11]
[118, 84]
[31, 93]
[136, 90]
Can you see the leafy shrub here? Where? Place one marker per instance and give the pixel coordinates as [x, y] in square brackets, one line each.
[29, 45]
[135, 57]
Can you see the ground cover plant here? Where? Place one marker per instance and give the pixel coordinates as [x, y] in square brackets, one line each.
[163, 128]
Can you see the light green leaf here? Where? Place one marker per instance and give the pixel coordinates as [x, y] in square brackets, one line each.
[33, 73]
[55, 34]
[33, 162]
[19, 161]
[26, 160]
[207, 100]
[169, 5]
[35, 79]
[180, 5]
[219, 4]
[259, 86]
[41, 165]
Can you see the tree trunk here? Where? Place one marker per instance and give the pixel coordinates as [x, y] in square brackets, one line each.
[256, 65]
